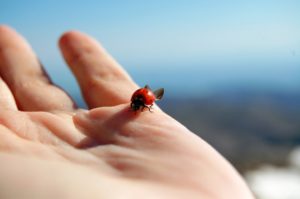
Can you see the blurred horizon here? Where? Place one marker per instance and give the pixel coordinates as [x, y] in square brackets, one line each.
[191, 48]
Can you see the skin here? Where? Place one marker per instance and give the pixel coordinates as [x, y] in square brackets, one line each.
[51, 149]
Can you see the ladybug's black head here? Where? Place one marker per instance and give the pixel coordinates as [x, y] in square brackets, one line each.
[137, 103]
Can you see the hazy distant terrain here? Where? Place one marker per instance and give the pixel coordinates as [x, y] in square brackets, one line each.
[249, 128]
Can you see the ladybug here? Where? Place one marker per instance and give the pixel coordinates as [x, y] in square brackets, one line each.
[145, 97]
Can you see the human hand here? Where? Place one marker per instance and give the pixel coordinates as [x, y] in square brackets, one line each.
[51, 149]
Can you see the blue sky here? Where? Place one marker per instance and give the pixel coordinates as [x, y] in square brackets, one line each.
[209, 44]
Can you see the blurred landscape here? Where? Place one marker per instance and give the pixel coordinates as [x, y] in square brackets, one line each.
[249, 128]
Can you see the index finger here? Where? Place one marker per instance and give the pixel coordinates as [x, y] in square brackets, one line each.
[102, 80]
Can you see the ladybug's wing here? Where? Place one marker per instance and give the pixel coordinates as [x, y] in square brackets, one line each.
[159, 93]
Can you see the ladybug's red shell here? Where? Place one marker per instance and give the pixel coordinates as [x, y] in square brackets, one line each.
[145, 94]
[144, 98]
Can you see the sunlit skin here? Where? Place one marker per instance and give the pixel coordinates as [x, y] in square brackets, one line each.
[51, 149]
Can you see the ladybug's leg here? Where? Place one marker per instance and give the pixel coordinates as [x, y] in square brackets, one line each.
[149, 108]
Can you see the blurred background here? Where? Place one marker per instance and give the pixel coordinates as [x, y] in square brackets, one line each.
[230, 70]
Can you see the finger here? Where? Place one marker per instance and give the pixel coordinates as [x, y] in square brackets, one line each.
[25, 77]
[7, 100]
[110, 124]
[103, 82]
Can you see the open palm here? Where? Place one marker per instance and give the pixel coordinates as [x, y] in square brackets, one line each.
[51, 149]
